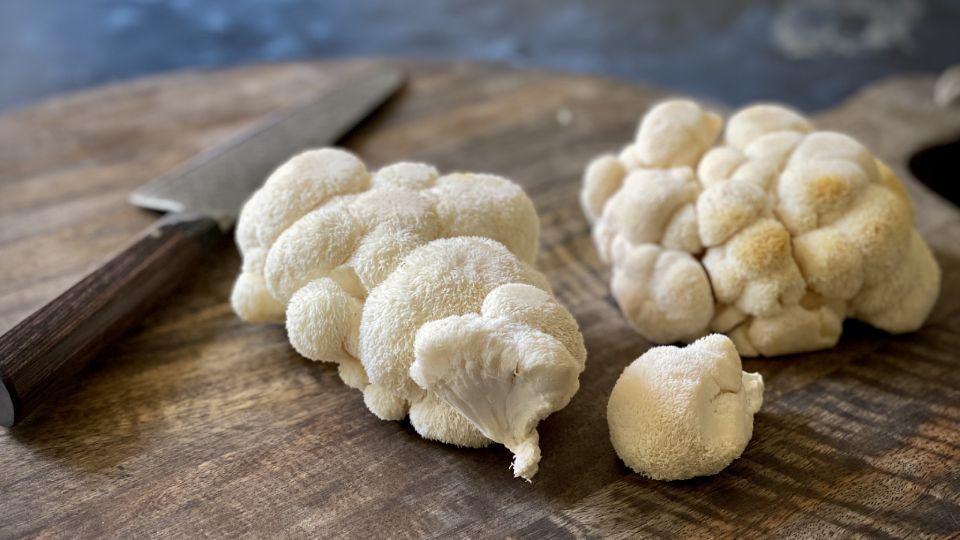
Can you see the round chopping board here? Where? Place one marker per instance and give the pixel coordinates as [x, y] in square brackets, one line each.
[196, 423]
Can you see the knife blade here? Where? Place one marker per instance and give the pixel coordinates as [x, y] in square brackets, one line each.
[203, 198]
[217, 182]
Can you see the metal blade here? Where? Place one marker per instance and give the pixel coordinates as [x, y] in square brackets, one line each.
[217, 182]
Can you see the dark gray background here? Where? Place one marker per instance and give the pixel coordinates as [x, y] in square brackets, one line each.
[809, 53]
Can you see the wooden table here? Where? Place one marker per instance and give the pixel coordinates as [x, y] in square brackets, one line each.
[198, 424]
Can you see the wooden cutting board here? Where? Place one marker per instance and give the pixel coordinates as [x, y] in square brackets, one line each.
[198, 424]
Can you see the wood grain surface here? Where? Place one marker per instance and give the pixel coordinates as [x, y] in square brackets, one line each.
[196, 424]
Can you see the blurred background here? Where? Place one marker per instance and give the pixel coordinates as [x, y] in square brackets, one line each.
[809, 53]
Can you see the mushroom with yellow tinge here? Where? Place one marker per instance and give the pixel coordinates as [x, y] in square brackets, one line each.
[773, 236]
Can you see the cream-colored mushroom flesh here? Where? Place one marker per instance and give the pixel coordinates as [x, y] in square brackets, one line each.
[772, 233]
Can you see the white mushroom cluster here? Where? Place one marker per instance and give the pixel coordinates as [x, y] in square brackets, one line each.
[773, 236]
[421, 288]
[676, 413]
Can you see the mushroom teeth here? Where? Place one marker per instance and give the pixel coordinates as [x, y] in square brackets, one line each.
[501, 375]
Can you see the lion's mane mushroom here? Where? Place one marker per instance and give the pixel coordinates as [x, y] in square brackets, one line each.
[421, 288]
[676, 413]
[772, 237]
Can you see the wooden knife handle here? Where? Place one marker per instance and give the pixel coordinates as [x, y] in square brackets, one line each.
[63, 336]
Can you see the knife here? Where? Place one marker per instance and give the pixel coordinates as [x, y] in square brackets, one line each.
[203, 198]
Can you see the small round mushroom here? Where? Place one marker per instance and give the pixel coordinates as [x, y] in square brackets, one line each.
[676, 413]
